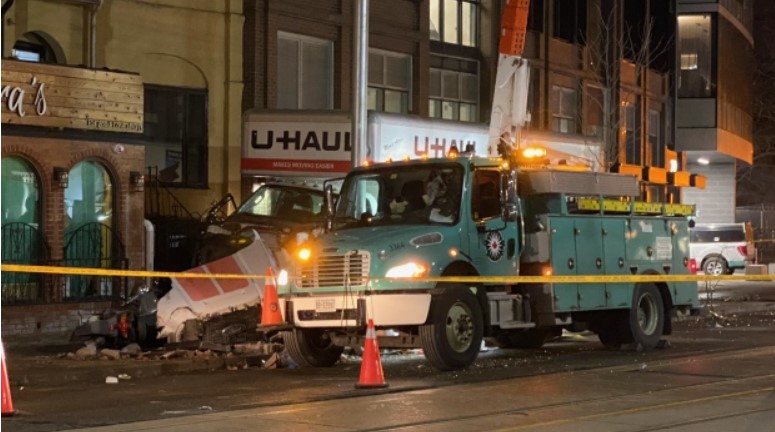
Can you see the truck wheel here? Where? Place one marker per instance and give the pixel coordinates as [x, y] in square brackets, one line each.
[647, 316]
[311, 347]
[522, 339]
[453, 336]
[715, 266]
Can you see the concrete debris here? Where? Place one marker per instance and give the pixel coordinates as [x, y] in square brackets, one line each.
[110, 353]
[87, 352]
[124, 376]
[111, 380]
[272, 362]
[132, 349]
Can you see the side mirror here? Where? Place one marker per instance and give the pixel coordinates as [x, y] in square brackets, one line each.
[330, 205]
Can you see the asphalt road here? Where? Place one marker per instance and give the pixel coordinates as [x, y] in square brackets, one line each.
[741, 337]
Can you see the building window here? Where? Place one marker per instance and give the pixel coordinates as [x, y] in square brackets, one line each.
[632, 133]
[695, 47]
[455, 21]
[390, 82]
[655, 139]
[20, 196]
[88, 196]
[454, 89]
[570, 20]
[564, 110]
[175, 130]
[305, 72]
[594, 112]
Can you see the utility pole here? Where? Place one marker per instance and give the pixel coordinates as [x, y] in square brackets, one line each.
[360, 81]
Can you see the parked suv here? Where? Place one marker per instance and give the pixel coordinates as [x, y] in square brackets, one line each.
[722, 248]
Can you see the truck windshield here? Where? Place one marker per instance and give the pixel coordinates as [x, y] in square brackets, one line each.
[412, 194]
[287, 203]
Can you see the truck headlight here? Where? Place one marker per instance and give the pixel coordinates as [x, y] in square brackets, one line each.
[304, 254]
[409, 270]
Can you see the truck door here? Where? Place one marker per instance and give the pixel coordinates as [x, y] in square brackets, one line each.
[495, 245]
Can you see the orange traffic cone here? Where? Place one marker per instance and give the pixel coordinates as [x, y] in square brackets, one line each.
[371, 366]
[6, 396]
[270, 306]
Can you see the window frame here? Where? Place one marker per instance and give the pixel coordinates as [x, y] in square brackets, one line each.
[203, 163]
[459, 101]
[557, 111]
[301, 39]
[382, 87]
[475, 22]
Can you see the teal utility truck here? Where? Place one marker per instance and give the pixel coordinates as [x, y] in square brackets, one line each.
[396, 225]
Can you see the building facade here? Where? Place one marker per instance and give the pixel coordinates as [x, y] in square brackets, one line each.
[182, 62]
[714, 105]
[591, 94]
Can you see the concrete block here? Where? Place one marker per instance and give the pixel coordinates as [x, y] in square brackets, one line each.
[771, 268]
[756, 269]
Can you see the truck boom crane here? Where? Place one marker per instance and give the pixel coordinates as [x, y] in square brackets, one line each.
[509, 106]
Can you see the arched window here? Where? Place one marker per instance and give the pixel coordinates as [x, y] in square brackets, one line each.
[22, 241]
[39, 47]
[20, 194]
[89, 195]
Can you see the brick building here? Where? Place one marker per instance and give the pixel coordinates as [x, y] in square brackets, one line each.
[175, 110]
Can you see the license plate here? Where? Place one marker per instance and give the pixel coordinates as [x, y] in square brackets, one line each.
[325, 305]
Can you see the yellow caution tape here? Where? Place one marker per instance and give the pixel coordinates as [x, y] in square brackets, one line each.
[86, 271]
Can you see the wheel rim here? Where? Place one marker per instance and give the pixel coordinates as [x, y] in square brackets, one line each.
[647, 314]
[714, 268]
[460, 327]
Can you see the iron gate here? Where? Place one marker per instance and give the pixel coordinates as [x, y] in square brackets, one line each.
[93, 245]
[23, 244]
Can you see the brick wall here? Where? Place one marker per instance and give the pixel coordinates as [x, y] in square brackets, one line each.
[51, 319]
[715, 203]
[128, 208]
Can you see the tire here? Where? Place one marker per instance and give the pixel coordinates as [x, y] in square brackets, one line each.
[522, 339]
[453, 336]
[647, 316]
[311, 347]
[612, 329]
[715, 266]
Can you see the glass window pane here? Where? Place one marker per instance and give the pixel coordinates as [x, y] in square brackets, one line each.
[435, 83]
[20, 198]
[376, 69]
[316, 76]
[88, 196]
[396, 102]
[287, 73]
[469, 24]
[434, 108]
[449, 110]
[694, 45]
[374, 99]
[397, 72]
[467, 112]
[450, 85]
[435, 21]
[451, 31]
[469, 88]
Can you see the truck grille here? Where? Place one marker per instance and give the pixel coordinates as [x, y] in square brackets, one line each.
[333, 270]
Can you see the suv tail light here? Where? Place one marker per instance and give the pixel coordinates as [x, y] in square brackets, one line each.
[693, 266]
[743, 250]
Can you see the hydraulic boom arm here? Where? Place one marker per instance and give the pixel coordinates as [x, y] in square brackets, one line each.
[509, 107]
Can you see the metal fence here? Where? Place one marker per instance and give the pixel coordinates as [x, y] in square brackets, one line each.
[762, 219]
[22, 243]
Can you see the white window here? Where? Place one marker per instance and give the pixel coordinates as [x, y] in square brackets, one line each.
[305, 72]
[454, 89]
[564, 110]
[390, 82]
[455, 21]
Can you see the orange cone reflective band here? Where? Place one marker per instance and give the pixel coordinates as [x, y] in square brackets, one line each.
[7, 403]
[371, 367]
[270, 307]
